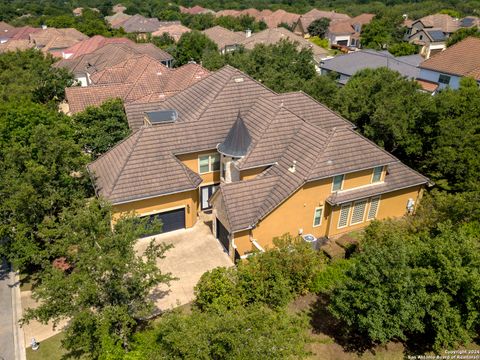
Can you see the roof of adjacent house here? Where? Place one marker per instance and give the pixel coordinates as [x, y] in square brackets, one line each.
[349, 64]
[195, 10]
[140, 78]
[5, 28]
[462, 59]
[174, 30]
[140, 24]
[341, 27]
[117, 19]
[14, 45]
[23, 33]
[274, 35]
[283, 128]
[119, 8]
[90, 45]
[223, 37]
[54, 40]
[110, 55]
[362, 19]
[272, 19]
[444, 22]
[315, 14]
[470, 21]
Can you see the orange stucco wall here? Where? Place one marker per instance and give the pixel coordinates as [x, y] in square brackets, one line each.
[251, 173]
[188, 199]
[242, 242]
[191, 161]
[359, 178]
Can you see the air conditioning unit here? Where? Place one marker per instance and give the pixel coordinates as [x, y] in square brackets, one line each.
[312, 240]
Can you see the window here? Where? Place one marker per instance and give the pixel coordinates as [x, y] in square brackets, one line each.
[358, 213]
[344, 213]
[377, 174]
[421, 37]
[209, 163]
[444, 79]
[374, 204]
[317, 217]
[337, 182]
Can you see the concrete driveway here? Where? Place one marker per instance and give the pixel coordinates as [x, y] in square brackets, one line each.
[195, 251]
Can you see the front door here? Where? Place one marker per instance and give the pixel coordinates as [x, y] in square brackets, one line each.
[205, 193]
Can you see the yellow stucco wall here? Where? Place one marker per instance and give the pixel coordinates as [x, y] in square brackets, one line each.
[391, 205]
[242, 242]
[251, 173]
[356, 179]
[187, 199]
[191, 161]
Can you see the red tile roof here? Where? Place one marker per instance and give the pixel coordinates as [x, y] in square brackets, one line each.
[90, 45]
[23, 33]
[461, 59]
[175, 31]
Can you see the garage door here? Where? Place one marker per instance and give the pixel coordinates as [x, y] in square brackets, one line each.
[223, 236]
[171, 220]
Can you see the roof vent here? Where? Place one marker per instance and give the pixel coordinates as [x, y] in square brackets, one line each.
[329, 162]
[238, 80]
[161, 117]
[293, 168]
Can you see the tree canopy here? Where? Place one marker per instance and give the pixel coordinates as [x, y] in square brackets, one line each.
[319, 27]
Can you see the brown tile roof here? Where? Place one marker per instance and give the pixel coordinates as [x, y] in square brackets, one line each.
[23, 33]
[137, 78]
[14, 45]
[272, 36]
[139, 23]
[461, 59]
[272, 19]
[119, 8]
[5, 28]
[223, 37]
[341, 27]
[428, 86]
[54, 40]
[315, 14]
[442, 21]
[362, 19]
[174, 30]
[117, 19]
[110, 55]
[195, 10]
[90, 45]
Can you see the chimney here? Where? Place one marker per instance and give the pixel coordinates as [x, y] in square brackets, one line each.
[248, 33]
[44, 27]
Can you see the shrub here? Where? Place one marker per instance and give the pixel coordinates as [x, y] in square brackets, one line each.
[320, 42]
[331, 277]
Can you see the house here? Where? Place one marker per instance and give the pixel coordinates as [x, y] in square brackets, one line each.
[16, 38]
[431, 32]
[5, 31]
[304, 21]
[174, 30]
[117, 19]
[195, 10]
[470, 22]
[15, 45]
[347, 65]
[55, 41]
[274, 35]
[77, 11]
[23, 33]
[347, 32]
[225, 39]
[140, 78]
[263, 164]
[90, 45]
[271, 18]
[449, 66]
[119, 8]
[84, 66]
[138, 24]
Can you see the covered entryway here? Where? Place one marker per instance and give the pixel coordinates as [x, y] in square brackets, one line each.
[223, 236]
[205, 194]
[171, 220]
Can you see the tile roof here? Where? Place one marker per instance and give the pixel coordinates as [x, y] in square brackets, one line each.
[442, 21]
[428, 86]
[54, 40]
[274, 35]
[272, 19]
[223, 37]
[362, 19]
[315, 14]
[461, 59]
[14, 45]
[174, 30]
[117, 19]
[136, 78]
[110, 55]
[349, 64]
[140, 24]
[5, 28]
[23, 33]
[119, 8]
[341, 27]
[90, 45]
[195, 10]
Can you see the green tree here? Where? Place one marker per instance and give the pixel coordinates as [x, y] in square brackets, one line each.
[242, 333]
[103, 286]
[462, 34]
[98, 129]
[319, 27]
[192, 46]
[403, 49]
[380, 33]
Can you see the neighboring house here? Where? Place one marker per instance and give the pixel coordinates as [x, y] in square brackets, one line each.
[15, 45]
[23, 33]
[84, 66]
[195, 10]
[77, 11]
[225, 39]
[119, 8]
[264, 164]
[272, 36]
[175, 31]
[347, 32]
[470, 22]
[139, 24]
[90, 45]
[6, 32]
[431, 32]
[449, 66]
[347, 65]
[55, 41]
[117, 19]
[304, 21]
[140, 78]
[272, 19]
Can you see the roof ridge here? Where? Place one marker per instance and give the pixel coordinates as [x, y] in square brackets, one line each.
[185, 169]
[140, 131]
[322, 151]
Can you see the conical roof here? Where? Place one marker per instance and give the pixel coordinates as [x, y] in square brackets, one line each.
[237, 141]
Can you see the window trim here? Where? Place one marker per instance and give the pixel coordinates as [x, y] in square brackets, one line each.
[364, 211]
[373, 174]
[341, 184]
[321, 216]
[340, 215]
[370, 206]
[210, 163]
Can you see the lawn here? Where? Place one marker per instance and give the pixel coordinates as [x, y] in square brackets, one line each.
[50, 349]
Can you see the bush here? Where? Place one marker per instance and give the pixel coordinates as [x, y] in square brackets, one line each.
[331, 277]
[320, 42]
